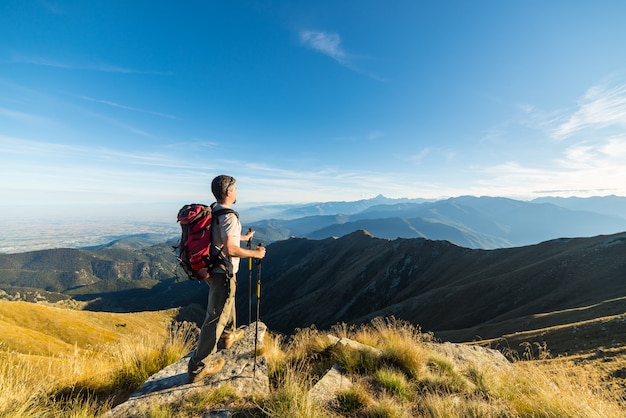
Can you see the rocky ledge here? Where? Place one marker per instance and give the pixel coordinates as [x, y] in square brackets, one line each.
[243, 371]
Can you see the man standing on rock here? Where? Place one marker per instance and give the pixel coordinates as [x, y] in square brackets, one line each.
[220, 320]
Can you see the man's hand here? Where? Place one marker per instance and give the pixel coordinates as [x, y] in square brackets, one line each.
[248, 235]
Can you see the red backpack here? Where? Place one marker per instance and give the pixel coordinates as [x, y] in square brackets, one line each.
[194, 249]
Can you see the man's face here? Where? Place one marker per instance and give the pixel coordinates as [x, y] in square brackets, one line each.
[232, 193]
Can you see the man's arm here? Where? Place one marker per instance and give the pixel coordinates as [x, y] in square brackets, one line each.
[233, 249]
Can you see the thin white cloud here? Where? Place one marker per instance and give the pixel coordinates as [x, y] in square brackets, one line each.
[419, 157]
[134, 109]
[21, 116]
[591, 161]
[374, 135]
[585, 168]
[578, 157]
[598, 155]
[600, 107]
[100, 67]
[615, 147]
[329, 44]
[85, 156]
[435, 154]
[271, 184]
[71, 173]
[325, 43]
[122, 125]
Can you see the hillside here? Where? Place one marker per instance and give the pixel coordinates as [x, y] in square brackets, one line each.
[454, 291]
[46, 330]
[114, 278]
[57, 360]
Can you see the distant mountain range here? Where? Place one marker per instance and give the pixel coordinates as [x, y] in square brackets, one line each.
[606, 205]
[473, 222]
[299, 210]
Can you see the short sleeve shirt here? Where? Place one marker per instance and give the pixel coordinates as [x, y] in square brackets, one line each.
[227, 225]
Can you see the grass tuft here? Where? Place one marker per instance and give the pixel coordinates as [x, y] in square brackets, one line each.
[355, 361]
[290, 396]
[394, 382]
[353, 400]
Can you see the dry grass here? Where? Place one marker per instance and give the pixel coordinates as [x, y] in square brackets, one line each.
[408, 378]
[77, 363]
[405, 376]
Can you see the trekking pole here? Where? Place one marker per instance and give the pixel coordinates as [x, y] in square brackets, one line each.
[258, 310]
[249, 280]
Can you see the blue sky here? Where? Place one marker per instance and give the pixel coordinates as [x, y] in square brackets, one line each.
[105, 104]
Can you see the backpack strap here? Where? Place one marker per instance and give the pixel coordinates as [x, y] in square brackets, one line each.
[226, 261]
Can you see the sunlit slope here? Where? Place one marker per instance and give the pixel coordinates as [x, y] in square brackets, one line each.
[46, 330]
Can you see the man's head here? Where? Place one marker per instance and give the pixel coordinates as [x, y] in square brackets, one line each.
[223, 187]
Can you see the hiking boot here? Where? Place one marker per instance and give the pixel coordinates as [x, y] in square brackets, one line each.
[212, 367]
[232, 337]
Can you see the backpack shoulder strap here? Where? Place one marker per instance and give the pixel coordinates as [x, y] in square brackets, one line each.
[215, 221]
[225, 211]
[216, 214]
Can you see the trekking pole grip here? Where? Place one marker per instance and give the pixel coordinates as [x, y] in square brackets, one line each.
[249, 245]
[258, 260]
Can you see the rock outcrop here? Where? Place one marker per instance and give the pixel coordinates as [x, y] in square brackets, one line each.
[243, 371]
[247, 374]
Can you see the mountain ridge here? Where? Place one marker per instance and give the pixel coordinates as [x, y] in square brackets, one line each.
[442, 287]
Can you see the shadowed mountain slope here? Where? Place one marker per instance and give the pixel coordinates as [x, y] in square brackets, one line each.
[441, 286]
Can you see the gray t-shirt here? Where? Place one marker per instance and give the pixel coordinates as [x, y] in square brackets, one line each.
[226, 225]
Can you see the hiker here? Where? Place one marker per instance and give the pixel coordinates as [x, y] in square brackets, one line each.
[220, 320]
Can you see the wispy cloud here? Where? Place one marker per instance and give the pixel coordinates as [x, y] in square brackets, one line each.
[374, 135]
[418, 157]
[274, 184]
[120, 124]
[597, 155]
[100, 67]
[104, 174]
[584, 168]
[431, 155]
[21, 116]
[329, 44]
[87, 156]
[134, 109]
[600, 107]
[326, 43]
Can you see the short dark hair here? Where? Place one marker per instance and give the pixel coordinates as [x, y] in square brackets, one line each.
[220, 185]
